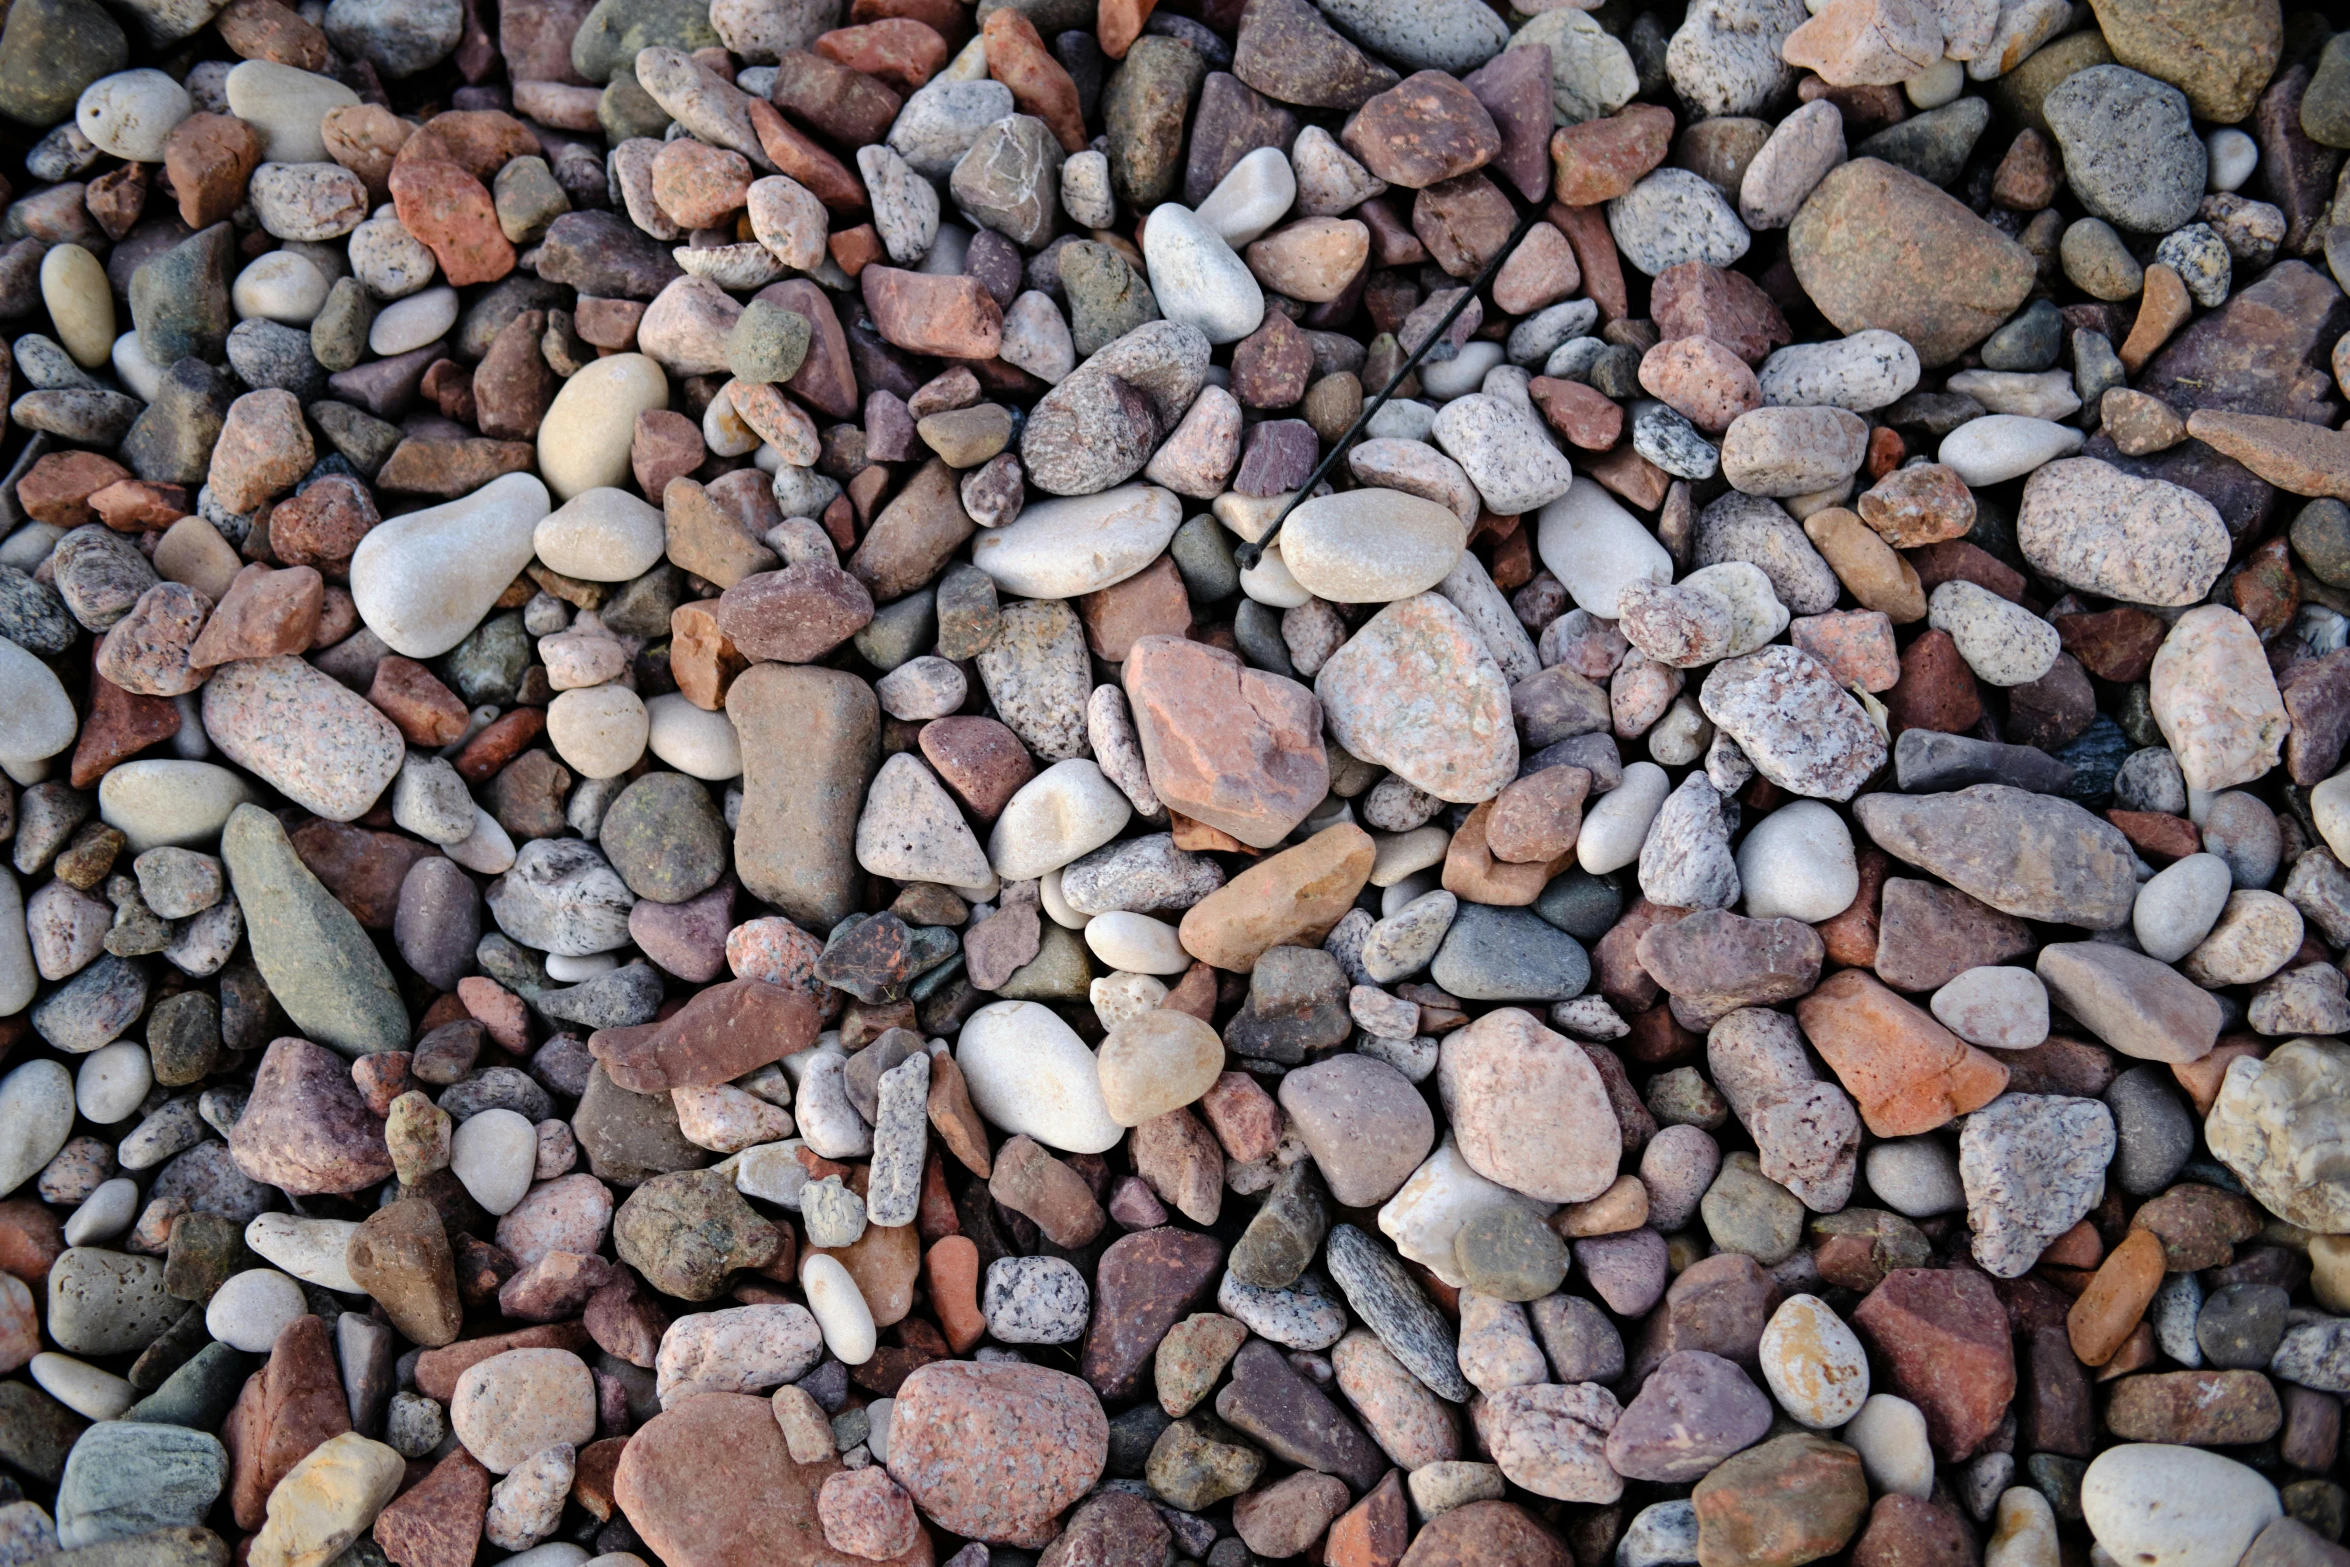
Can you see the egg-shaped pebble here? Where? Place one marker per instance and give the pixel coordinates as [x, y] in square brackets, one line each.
[251, 1308]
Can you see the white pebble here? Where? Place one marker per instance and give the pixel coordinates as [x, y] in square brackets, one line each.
[2232, 158]
[1889, 1433]
[494, 1155]
[82, 1387]
[252, 1308]
[1798, 862]
[1616, 827]
[309, 1249]
[1136, 943]
[112, 1080]
[406, 325]
[838, 1307]
[280, 286]
[104, 1214]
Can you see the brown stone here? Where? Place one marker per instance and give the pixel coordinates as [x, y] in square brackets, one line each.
[1794, 1499]
[305, 1127]
[57, 488]
[400, 1255]
[362, 867]
[1375, 1532]
[796, 615]
[1921, 505]
[1538, 818]
[1713, 961]
[1942, 1337]
[2295, 456]
[1040, 84]
[725, 1031]
[2206, 1408]
[208, 158]
[2117, 644]
[1145, 1283]
[1291, 897]
[2117, 1297]
[1425, 129]
[915, 535]
[365, 138]
[1907, 1531]
[2163, 307]
[1030, 1181]
[1464, 222]
[1475, 874]
[1929, 934]
[2199, 1226]
[1151, 603]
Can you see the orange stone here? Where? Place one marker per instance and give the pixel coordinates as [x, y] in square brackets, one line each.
[701, 659]
[2102, 1319]
[1474, 874]
[1908, 1073]
[951, 1270]
[1291, 897]
[1119, 22]
[899, 50]
[451, 213]
[208, 158]
[1600, 160]
[1041, 85]
[2163, 308]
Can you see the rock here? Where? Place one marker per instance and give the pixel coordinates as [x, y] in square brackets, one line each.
[2269, 1111]
[1046, 1441]
[1878, 248]
[326, 1501]
[1252, 780]
[124, 1479]
[1790, 1500]
[1463, 747]
[2130, 152]
[2076, 870]
[1801, 731]
[2132, 1499]
[2140, 1007]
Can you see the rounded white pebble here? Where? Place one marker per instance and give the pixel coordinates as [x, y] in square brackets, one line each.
[131, 113]
[1136, 943]
[1270, 582]
[1798, 862]
[309, 1249]
[698, 743]
[838, 1307]
[406, 325]
[1616, 827]
[599, 731]
[2151, 1504]
[111, 1081]
[141, 377]
[252, 1308]
[280, 286]
[1889, 1433]
[1999, 447]
[487, 850]
[494, 1155]
[601, 535]
[2233, 156]
[104, 1214]
[82, 1387]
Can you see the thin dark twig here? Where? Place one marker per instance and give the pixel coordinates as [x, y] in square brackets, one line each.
[1249, 554]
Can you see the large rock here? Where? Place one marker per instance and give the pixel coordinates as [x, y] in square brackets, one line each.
[811, 739]
[1416, 691]
[320, 964]
[1877, 247]
[996, 1452]
[2283, 1124]
[712, 1483]
[2031, 855]
[2094, 527]
[2139, 1006]
[1801, 730]
[1237, 748]
[2264, 352]
[1529, 1109]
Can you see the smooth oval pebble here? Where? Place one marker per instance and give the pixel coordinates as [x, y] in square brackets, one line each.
[585, 439]
[249, 1310]
[1371, 546]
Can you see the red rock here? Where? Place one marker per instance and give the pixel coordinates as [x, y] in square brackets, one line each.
[2117, 644]
[1464, 223]
[796, 615]
[57, 488]
[710, 1483]
[437, 1370]
[1856, 645]
[1936, 689]
[323, 525]
[1587, 417]
[294, 1403]
[437, 1521]
[1041, 85]
[1600, 160]
[451, 213]
[1942, 1337]
[993, 1452]
[1904, 1531]
[120, 725]
[1425, 129]
[1375, 1531]
[1235, 747]
[264, 614]
[427, 712]
[723, 1032]
[1486, 1534]
[898, 50]
[953, 317]
[363, 868]
[1698, 300]
[980, 759]
[1908, 1073]
[136, 506]
[1030, 1181]
[32, 1235]
[793, 153]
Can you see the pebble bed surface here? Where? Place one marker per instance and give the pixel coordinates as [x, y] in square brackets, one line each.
[1061, 783]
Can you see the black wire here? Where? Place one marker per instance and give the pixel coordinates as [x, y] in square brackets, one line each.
[1249, 554]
